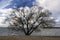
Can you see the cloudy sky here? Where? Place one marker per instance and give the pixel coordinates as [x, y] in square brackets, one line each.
[52, 5]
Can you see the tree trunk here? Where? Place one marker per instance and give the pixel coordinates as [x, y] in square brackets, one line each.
[27, 34]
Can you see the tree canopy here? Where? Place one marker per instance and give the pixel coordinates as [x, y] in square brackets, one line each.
[30, 19]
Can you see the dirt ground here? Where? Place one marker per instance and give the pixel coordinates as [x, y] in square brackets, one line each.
[28, 38]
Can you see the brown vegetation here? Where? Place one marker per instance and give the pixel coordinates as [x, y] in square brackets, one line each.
[28, 38]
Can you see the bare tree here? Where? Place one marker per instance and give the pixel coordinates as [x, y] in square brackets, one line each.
[29, 19]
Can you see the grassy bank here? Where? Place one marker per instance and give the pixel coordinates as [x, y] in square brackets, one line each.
[28, 38]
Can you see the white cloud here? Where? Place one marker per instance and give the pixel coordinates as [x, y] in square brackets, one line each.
[4, 3]
[5, 25]
[57, 20]
[1, 20]
[5, 12]
[52, 5]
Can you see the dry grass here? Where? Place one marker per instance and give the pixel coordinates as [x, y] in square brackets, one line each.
[27, 38]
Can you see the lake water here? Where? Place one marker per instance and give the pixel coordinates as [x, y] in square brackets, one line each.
[44, 32]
